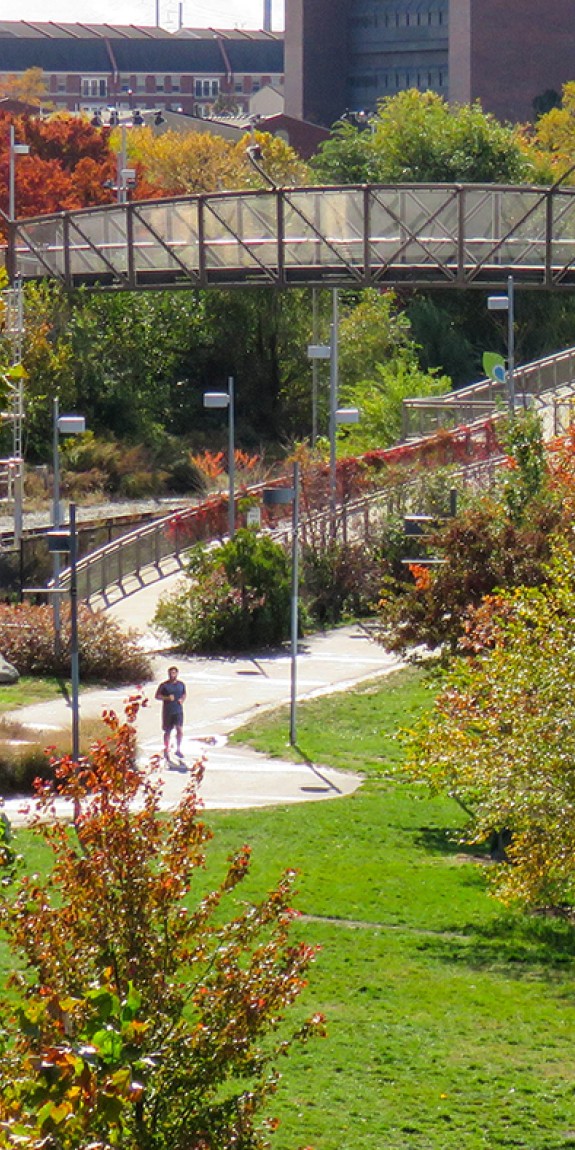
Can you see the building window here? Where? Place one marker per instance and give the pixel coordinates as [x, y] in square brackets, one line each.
[204, 89]
[94, 88]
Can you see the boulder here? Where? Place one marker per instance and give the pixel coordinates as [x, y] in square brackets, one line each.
[8, 673]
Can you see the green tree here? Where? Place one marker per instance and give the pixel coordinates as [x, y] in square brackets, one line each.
[417, 137]
[380, 400]
[148, 1017]
[372, 330]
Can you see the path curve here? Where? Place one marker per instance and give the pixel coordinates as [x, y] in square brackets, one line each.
[223, 692]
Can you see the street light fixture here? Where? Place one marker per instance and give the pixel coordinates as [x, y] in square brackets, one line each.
[507, 303]
[275, 497]
[220, 399]
[62, 425]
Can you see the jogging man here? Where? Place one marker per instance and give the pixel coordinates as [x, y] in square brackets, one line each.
[172, 694]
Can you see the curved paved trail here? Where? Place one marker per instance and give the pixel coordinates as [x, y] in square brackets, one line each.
[222, 693]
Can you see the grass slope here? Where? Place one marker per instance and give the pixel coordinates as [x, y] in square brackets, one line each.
[450, 1019]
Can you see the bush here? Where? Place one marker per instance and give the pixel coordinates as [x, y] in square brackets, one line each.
[107, 654]
[19, 767]
[481, 550]
[341, 579]
[239, 597]
[183, 476]
[134, 471]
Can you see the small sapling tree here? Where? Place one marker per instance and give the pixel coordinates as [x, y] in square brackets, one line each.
[148, 1018]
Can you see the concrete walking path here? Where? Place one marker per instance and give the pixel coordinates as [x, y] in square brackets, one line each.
[222, 693]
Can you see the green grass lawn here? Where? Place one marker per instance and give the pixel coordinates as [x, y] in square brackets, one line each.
[356, 730]
[28, 690]
[450, 1020]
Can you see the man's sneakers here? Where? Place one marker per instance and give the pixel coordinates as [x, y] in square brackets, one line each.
[178, 755]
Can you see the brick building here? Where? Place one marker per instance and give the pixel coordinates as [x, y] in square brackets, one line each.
[92, 66]
[350, 53]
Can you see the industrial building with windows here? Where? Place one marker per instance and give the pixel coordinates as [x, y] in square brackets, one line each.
[348, 54]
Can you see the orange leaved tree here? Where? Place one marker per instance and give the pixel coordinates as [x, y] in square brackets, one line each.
[148, 1019]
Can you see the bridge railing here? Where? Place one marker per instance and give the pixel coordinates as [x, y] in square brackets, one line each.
[120, 567]
[462, 235]
[467, 405]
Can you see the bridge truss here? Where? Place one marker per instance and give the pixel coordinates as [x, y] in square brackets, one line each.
[421, 235]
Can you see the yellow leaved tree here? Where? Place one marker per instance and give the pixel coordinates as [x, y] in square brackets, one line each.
[29, 87]
[183, 164]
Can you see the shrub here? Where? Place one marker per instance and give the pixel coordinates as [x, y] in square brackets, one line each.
[341, 579]
[107, 653]
[183, 476]
[501, 738]
[238, 597]
[481, 550]
[131, 470]
[24, 756]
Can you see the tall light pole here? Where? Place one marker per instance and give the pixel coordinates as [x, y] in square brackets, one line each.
[336, 414]
[125, 176]
[333, 390]
[65, 541]
[507, 303]
[62, 425]
[227, 399]
[14, 329]
[274, 497]
[14, 150]
[314, 368]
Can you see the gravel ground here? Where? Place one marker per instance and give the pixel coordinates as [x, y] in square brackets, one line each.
[97, 511]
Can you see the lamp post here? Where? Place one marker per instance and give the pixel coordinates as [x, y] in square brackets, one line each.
[125, 176]
[61, 541]
[507, 303]
[62, 425]
[14, 150]
[336, 414]
[275, 497]
[221, 399]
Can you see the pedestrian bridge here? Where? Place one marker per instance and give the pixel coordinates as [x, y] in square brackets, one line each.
[423, 235]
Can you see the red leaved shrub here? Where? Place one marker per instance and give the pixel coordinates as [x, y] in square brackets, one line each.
[107, 654]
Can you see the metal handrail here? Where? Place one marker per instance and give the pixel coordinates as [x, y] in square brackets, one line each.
[166, 541]
[151, 544]
[536, 379]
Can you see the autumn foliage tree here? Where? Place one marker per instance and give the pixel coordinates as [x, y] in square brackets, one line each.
[148, 1018]
[71, 164]
[501, 738]
[184, 163]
